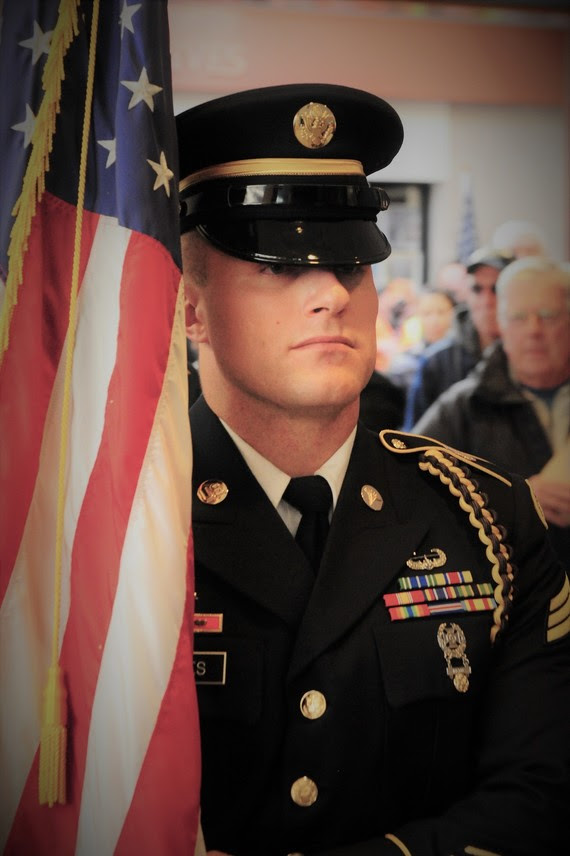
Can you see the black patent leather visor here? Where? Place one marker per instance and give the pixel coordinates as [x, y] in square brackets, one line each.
[233, 200]
[300, 242]
[313, 221]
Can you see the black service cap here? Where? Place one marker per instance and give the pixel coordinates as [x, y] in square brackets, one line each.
[278, 174]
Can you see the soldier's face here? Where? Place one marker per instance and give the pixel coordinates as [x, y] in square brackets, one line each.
[291, 338]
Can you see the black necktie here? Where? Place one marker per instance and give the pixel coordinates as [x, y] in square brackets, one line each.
[312, 496]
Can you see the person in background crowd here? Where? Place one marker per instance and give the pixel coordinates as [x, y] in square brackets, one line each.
[350, 705]
[396, 305]
[474, 328]
[434, 314]
[453, 279]
[518, 238]
[515, 405]
[382, 403]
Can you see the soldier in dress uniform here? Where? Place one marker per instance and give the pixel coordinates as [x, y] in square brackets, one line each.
[406, 690]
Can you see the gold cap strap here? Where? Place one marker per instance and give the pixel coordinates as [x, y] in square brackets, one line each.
[274, 166]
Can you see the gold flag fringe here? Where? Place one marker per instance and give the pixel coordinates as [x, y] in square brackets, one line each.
[53, 740]
[33, 185]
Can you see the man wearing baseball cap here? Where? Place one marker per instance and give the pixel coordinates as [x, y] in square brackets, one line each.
[474, 328]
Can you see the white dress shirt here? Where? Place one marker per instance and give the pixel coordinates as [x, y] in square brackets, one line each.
[274, 481]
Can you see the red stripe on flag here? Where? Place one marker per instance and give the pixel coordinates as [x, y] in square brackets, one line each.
[27, 372]
[170, 775]
[148, 297]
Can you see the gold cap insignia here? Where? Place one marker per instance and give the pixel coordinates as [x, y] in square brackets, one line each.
[451, 639]
[212, 492]
[314, 125]
[371, 497]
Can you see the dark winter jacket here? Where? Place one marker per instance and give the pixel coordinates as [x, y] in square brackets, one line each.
[443, 364]
[486, 414]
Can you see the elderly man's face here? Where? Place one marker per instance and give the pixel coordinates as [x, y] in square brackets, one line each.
[536, 331]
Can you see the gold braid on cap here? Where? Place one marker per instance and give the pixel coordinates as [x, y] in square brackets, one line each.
[440, 463]
[273, 166]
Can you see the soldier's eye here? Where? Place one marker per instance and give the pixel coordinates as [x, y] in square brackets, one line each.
[280, 269]
[349, 275]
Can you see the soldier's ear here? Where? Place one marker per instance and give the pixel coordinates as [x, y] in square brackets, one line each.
[188, 316]
[194, 312]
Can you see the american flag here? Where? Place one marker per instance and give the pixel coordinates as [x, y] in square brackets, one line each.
[467, 240]
[95, 456]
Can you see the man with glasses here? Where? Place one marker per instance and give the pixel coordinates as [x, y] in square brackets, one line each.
[514, 408]
[474, 329]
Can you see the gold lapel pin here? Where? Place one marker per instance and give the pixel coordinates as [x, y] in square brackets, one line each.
[212, 492]
[371, 497]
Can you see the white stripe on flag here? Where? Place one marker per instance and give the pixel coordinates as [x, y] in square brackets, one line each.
[27, 611]
[147, 615]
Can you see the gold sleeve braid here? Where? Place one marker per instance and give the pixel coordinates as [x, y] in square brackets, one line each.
[440, 463]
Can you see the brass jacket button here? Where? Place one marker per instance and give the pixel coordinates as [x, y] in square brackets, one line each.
[313, 704]
[304, 791]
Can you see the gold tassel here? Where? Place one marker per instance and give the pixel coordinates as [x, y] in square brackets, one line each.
[53, 739]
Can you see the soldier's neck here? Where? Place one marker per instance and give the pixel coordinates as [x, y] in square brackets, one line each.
[297, 443]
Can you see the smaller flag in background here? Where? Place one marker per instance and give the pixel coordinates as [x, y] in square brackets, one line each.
[467, 240]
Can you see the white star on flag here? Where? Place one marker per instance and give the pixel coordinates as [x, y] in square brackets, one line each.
[111, 146]
[126, 17]
[142, 90]
[163, 173]
[38, 43]
[27, 126]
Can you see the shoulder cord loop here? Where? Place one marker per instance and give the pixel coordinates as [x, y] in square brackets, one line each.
[457, 478]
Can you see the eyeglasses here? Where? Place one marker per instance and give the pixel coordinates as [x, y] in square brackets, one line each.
[477, 288]
[545, 316]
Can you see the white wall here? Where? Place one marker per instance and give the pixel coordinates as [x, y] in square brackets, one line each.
[516, 157]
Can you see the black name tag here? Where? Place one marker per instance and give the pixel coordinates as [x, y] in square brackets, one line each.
[210, 667]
